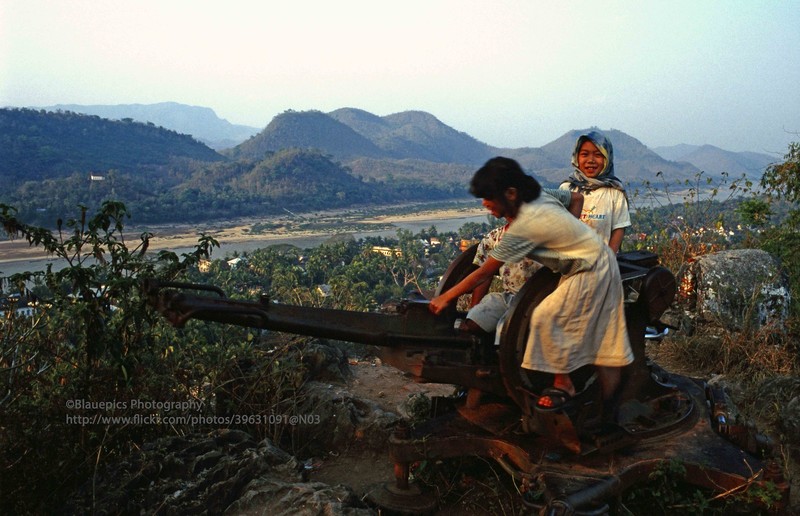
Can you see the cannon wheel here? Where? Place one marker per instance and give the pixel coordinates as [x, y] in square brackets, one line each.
[459, 269]
[514, 333]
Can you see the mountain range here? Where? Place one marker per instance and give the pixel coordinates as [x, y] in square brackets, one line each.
[54, 160]
[406, 143]
[708, 157]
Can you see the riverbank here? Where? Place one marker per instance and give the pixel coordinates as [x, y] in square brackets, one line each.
[303, 230]
[282, 229]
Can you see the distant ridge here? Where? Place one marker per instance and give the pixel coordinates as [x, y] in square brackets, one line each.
[634, 162]
[200, 122]
[715, 160]
[306, 160]
[417, 138]
[417, 145]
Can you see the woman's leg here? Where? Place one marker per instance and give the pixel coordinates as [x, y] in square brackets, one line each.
[564, 382]
[609, 380]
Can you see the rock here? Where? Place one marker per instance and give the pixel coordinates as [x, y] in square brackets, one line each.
[340, 420]
[225, 472]
[742, 289]
[267, 497]
[783, 392]
[325, 362]
[416, 408]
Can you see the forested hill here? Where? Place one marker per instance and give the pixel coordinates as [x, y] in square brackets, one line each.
[311, 130]
[307, 161]
[414, 145]
[50, 162]
[201, 122]
[39, 145]
[416, 135]
[300, 181]
[350, 134]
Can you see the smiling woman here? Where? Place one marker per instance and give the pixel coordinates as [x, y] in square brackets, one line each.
[605, 207]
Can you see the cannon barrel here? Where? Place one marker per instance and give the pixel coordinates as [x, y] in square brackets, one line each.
[411, 323]
[409, 338]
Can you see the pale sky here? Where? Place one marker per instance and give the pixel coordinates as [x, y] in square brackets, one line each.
[509, 73]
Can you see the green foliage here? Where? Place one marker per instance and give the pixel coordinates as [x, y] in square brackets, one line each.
[41, 145]
[783, 241]
[347, 275]
[90, 339]
[754, 212]
[783, 179]
[667, 492]
[473, 230]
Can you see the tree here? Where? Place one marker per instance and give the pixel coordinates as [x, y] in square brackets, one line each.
[91, 337]
[783, 179]
[754, 212]
[99, 290]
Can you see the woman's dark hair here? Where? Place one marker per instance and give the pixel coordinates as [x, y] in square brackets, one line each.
[498, 175]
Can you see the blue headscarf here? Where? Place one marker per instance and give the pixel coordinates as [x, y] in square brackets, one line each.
[606, 178]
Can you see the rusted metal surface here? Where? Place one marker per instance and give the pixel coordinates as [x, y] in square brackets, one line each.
[581, 481]
[412, 323]
[576, 456]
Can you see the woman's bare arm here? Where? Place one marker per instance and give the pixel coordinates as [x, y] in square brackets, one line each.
[468, 284]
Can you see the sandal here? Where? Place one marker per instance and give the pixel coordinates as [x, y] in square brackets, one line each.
[552, 399]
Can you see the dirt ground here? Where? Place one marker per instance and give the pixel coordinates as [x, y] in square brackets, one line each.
[466, 488]
[389, 388]
[365, 470]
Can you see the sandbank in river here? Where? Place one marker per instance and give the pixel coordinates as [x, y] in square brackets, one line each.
[304, 231]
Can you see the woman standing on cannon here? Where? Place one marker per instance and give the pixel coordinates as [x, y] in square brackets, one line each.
[583, 321]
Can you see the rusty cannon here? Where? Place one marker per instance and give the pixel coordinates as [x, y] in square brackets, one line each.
[569, 459]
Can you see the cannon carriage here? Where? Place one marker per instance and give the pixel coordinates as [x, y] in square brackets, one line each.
[572, 458]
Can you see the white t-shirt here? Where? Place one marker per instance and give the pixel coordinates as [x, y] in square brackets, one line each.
[604, 210]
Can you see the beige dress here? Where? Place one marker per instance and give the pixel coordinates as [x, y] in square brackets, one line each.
[583, 321]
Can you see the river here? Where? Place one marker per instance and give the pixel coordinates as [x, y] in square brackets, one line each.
[7, 268]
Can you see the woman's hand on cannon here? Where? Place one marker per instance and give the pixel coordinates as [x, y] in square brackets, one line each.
[468, 284]
[438, 304]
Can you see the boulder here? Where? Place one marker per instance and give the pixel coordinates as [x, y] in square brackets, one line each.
[225, 472]
[274, 498]
[741, 289]
[229, 472]
[339, 419]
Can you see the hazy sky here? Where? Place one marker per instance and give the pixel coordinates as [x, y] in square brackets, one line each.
[509, 73]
